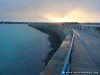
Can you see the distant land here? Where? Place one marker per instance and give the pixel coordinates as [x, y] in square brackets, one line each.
[9, 22]
[6, 22]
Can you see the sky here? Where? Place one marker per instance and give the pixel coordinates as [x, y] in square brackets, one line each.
[50, 10]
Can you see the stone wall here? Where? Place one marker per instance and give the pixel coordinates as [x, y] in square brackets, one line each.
[51, 28]
[56, 33]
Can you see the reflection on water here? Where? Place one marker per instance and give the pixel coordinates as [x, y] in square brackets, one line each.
[22, 50]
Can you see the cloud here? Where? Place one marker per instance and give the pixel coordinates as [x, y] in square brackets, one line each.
[33, 10]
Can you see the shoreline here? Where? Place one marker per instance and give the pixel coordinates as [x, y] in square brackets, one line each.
[55, 38]
[54, 45]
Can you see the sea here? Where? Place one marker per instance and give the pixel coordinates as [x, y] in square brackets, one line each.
[22, 49]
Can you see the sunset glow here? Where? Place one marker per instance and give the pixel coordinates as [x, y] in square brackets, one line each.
[50, 10]
[61, 20]
[76, 15]
[57, 19]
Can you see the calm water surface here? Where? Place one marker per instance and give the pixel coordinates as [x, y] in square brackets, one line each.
[22, 49]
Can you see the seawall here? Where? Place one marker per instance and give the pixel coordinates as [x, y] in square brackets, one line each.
[50, 28]
[56, 33]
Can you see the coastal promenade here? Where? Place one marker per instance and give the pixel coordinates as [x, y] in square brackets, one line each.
[86, 54]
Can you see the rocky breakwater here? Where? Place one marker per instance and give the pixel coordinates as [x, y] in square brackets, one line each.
[56, 34]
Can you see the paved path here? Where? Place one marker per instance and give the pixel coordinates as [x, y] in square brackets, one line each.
[86, 54]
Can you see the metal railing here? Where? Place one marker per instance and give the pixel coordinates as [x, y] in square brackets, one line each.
[67, 64]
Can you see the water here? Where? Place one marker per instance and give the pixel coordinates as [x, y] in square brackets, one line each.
[22, 49]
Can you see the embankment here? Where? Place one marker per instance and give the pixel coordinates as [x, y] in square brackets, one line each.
[56, 33]
[93, 29]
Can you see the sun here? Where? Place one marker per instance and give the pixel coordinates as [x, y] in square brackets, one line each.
[61, 20]
[57, 19]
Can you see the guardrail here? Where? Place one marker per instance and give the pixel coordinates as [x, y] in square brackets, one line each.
[67, 64]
